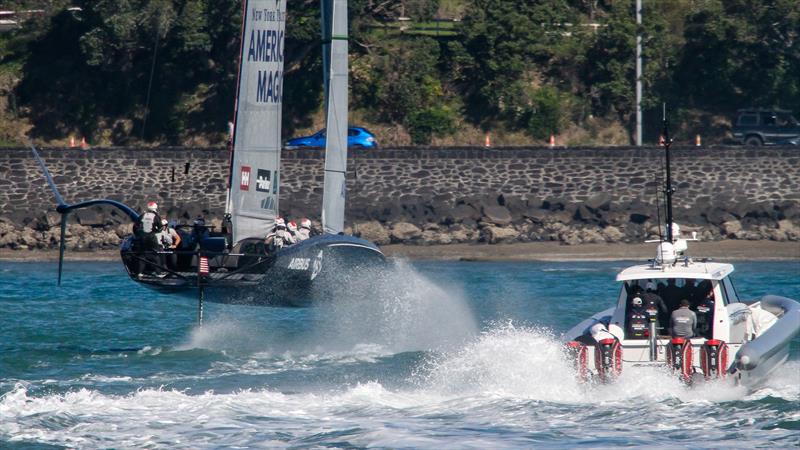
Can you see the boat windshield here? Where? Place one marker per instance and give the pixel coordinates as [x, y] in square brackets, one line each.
[671, 290]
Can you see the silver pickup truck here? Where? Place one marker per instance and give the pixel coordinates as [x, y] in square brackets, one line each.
[756, 127]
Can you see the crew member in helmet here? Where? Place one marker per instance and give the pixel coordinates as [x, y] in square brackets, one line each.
[148, 228]
[304, 232]
[637, 319]
[683, 322]
[291, 226]
[279, 236]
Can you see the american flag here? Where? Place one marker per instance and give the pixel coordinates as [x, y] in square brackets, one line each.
[203, 265]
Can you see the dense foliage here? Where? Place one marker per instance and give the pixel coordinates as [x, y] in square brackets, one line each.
[163, 71]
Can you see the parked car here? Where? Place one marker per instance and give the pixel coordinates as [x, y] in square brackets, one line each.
[357, 137]
[791, 141]
[765, 126]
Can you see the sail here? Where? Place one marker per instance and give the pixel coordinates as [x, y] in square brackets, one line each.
[255, 164]
[334, 192]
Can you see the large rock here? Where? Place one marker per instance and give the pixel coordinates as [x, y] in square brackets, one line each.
[404, 231]
[374, 232]
[732, 228]
[496, 214]
[612, 234]
[791, 231]
[494, 235]
[599, 201]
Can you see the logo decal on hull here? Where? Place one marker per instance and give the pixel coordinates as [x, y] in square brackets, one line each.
[299, 264]
[317, 267]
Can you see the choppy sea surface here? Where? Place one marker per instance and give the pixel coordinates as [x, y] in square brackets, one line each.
[441, 355]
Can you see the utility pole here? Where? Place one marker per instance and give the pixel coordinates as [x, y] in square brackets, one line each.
[638, 73]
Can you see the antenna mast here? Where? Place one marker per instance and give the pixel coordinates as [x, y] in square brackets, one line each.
[668, 189]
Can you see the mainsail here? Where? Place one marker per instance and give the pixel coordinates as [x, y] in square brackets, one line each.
[255, 163]
[334, 29]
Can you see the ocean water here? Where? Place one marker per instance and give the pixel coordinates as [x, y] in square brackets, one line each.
[437, 355]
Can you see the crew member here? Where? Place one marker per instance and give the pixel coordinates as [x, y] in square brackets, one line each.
[684, 321]
[169, 240]
[637, 319]
[292, 227]
[654, 304]
[279, 236]
[304, 232]
[148, 227]
[705, 315]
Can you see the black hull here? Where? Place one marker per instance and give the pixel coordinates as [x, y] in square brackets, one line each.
[298, 275]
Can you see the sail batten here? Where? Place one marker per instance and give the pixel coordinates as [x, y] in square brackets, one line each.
[335, 189]
[255, 166]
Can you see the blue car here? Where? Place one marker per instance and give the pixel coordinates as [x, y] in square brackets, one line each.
[357, 137]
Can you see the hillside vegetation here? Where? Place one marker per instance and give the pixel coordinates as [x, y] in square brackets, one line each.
[163, 72]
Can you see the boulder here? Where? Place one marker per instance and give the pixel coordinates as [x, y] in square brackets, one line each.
[612, 234]
[463, 212]
[731, 228]
[599, 201]
[404, 231]
[374, 232]
[496, 214]
[494, 235]
[591, 235]
[537, 215]
[791, 231]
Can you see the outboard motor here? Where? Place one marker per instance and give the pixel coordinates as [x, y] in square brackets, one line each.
[608, 359]
[578, 352]
[679, 357]
[714, 358]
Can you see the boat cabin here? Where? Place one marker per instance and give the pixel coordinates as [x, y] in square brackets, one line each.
[707, 286]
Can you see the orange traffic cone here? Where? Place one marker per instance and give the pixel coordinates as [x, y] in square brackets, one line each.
[72, 142]
[552, 140]
[697, 141]
[83, 143]
[488, 141]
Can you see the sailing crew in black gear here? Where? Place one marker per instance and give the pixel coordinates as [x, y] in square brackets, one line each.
[705, 316]
[637, 319]
[653, 302]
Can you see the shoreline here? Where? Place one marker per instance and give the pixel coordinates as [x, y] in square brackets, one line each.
[521, 251]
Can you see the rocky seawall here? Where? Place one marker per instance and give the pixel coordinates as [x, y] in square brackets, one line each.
[423, 196]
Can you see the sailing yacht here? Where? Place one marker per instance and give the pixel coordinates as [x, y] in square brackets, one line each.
[732, 338]
[234, 265]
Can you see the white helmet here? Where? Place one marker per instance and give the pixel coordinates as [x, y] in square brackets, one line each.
[305, 223]
[164, 222]
[637, 301]
[152, 206]
[279, 222]
[292, 226]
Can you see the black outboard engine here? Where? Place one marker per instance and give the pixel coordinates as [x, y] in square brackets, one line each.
[608, 359]
[679, 357]
[714, 358]
[578, 352]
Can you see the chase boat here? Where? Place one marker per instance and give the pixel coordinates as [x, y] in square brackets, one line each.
[743, 340]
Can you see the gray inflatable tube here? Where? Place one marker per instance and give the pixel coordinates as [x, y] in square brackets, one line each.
[776, 337]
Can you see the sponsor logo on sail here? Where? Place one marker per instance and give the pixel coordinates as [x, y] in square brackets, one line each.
[245, 179]
[263, 183]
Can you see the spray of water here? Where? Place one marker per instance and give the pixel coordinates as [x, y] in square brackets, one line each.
[377, 312]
